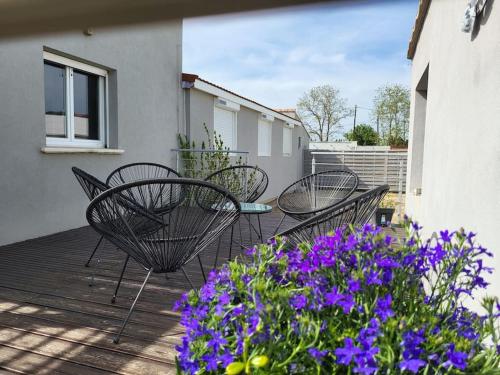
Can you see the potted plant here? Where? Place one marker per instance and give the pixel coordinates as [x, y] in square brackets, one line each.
[355, 301]
[385, 211]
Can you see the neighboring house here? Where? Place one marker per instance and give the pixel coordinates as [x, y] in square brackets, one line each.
[93, 100]
[454, 150]
[290, 112]
[275, 141]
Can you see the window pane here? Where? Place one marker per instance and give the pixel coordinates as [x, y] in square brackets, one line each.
[55, 100]
[86, 104]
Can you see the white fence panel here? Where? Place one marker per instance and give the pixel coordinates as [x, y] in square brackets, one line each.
[374, 168]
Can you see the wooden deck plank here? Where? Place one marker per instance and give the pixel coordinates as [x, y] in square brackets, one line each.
[22, 361]
[79, 353]
[137, 332]
[160, 352]
[159, 324]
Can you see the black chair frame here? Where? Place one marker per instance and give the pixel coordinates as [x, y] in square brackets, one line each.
[347, 186]
[185, 232]
[356, 211]
[249, 194]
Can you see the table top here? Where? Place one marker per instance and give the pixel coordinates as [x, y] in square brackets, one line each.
[255, 208]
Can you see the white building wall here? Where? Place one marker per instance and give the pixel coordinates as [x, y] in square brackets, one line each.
[461, 161]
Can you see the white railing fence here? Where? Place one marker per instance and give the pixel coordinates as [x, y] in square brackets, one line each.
[199, 163]
[374, 168]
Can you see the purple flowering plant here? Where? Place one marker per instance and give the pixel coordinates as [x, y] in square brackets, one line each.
[354, 302]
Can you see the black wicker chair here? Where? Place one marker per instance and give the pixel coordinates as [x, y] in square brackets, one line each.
[124, 174]
[247, 183]
[186, 230]
[92, 187]
[316, 192]
[136, 172]
[139, 171]
[356, 211]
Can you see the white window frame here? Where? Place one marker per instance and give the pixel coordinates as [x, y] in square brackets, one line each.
[70, 140]
[288, 128]
[264, 149]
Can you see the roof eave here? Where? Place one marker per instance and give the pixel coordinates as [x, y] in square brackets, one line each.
[193, 78]
[423, 8]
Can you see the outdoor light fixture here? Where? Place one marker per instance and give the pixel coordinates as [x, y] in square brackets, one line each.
[473, 10]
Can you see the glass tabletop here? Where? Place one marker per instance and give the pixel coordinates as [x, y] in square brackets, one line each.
[254, 208]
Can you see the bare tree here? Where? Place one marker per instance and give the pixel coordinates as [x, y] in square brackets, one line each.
[321, 109]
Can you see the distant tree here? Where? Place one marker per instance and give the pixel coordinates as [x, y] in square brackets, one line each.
[363, 134]
[392, 111]
[321, 109]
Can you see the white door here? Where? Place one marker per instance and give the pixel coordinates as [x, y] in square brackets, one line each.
[225, 126]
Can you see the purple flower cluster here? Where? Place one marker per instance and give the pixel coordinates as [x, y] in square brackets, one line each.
[293, 303]
[362, 355]
[412, 351]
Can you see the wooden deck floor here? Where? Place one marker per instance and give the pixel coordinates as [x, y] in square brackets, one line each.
[53, 322]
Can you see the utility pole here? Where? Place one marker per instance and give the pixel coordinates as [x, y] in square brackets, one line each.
[378, 132]
[355, 112]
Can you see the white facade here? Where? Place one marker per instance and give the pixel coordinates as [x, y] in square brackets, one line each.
[454, 150]
[272, 140]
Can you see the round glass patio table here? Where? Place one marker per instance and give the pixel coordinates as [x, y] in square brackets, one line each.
[247, 211]
[254, 209]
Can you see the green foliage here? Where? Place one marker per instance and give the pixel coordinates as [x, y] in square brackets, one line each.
[397, 141]
[392, 111]
[364, 135]
[201, 164]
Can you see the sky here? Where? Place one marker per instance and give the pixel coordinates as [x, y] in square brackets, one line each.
[274, 57]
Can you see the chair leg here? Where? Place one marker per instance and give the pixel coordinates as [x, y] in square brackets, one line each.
[241, 236]
[202, 270]
[116, 340]
[113, 299]
[92, 277]
[279, 225]
[250, 228]
[187, 277]
[93, 252]
[260, 229]
[231, 243]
